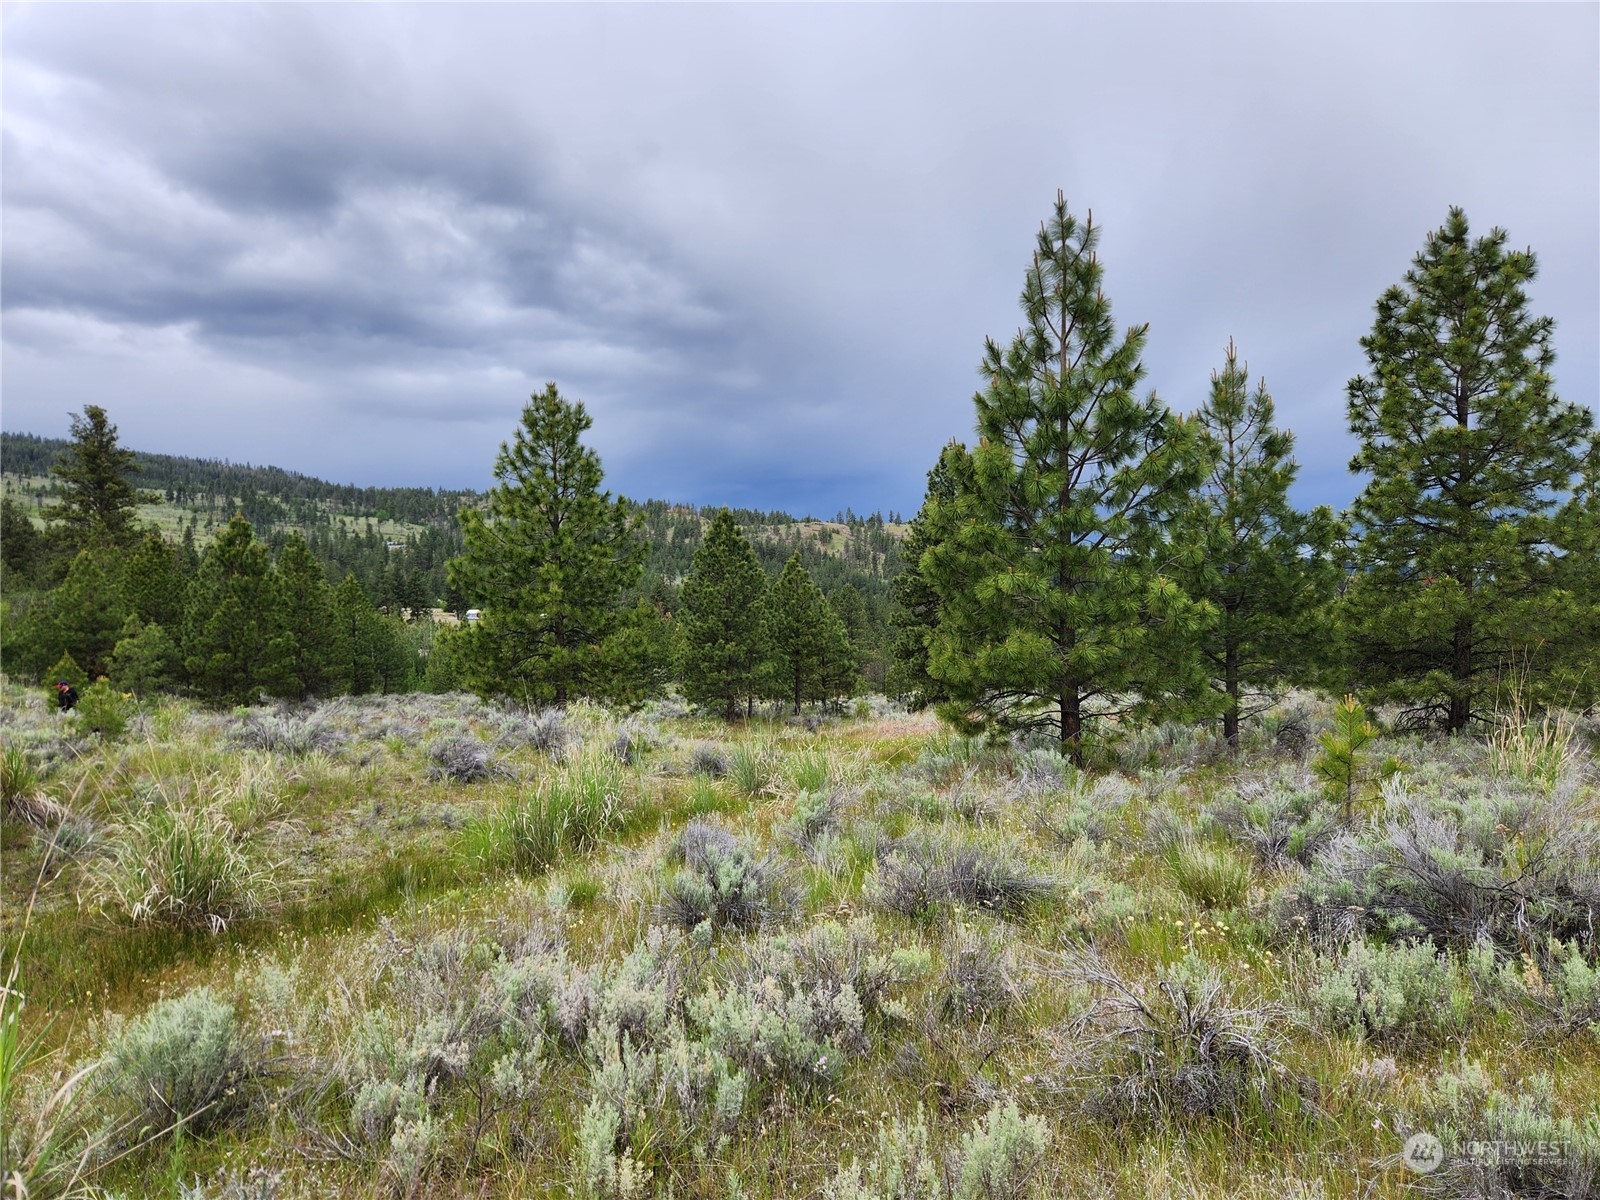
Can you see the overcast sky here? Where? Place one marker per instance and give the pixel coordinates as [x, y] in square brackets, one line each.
[762, 244]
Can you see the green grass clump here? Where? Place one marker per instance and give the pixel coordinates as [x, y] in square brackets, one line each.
[1212, 876]
[182, 865]
[570, 810]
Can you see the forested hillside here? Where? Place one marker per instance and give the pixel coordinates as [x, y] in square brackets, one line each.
[397, 541]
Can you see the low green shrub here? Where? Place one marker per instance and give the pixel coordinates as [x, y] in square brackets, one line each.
[181, 1064]
[1393, 995]
[102, 710]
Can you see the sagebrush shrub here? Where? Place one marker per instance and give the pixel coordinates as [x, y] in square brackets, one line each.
[648, 1106]
[1501, 1142]
[1002, 1155]
[182, 1063]
[903, 1166]
[722, 882]
[1176, 1049]
[980, 977]
[708, 758]
[545, 730]
[919, 880]
[285, 732]
[1496, 863]
[1280, 819]
[462, 760]
[783, 1035]
[1392, 995]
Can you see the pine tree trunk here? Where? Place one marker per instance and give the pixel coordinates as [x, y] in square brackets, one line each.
[1230, 676]
[1072, 725]
[1461, 670]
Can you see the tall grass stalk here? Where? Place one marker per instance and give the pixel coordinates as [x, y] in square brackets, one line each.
[571, 810]
[35, 1158]
[182, 866]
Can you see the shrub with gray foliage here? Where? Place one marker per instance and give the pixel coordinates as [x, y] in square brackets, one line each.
[722, 882]
[462, 760]
[919, 879]
[1175, 1049]
[182, 1063]
[1496, 863]
[283, 731]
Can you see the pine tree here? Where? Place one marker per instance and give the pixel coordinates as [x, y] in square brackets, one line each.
[914, 602]
[146, 659]
[236, 641]
[357, 636]
[98, 503]
[321, 665]
[805, 638]
[1472, 461]
[1574, 676]
[1266, 568]
[547, 560]
[1052, 568]
[84, 616]
[154, 585]
[22, 549]
[720, 609]
[841, 659]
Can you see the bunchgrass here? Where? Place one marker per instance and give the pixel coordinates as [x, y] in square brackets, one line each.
[570, 810]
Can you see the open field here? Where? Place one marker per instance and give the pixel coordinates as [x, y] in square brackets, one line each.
[422, 945]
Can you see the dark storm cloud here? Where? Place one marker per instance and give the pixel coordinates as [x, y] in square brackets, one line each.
[763, 244]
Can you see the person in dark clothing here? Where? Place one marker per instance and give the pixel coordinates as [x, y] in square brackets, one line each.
[66, 695]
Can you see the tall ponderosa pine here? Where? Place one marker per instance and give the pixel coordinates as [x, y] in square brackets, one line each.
[1265, 567]
[97, 501]
[913, 601]
[83, 617]
[154, 584]
[1050, 558]
[807, 645]
[1472, 459]
[720, 610]
[22, 549]
[547, 560]
[321, 664]
[236, 642]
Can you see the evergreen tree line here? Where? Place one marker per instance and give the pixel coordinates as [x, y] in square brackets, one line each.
[1093, 560]
[853, 567]
[230, 624]
[555, 566]
[1096, 559]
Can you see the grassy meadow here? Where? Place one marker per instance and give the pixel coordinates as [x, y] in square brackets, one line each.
[428, 946]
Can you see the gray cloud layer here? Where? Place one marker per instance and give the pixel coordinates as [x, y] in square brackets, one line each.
[763, 244]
